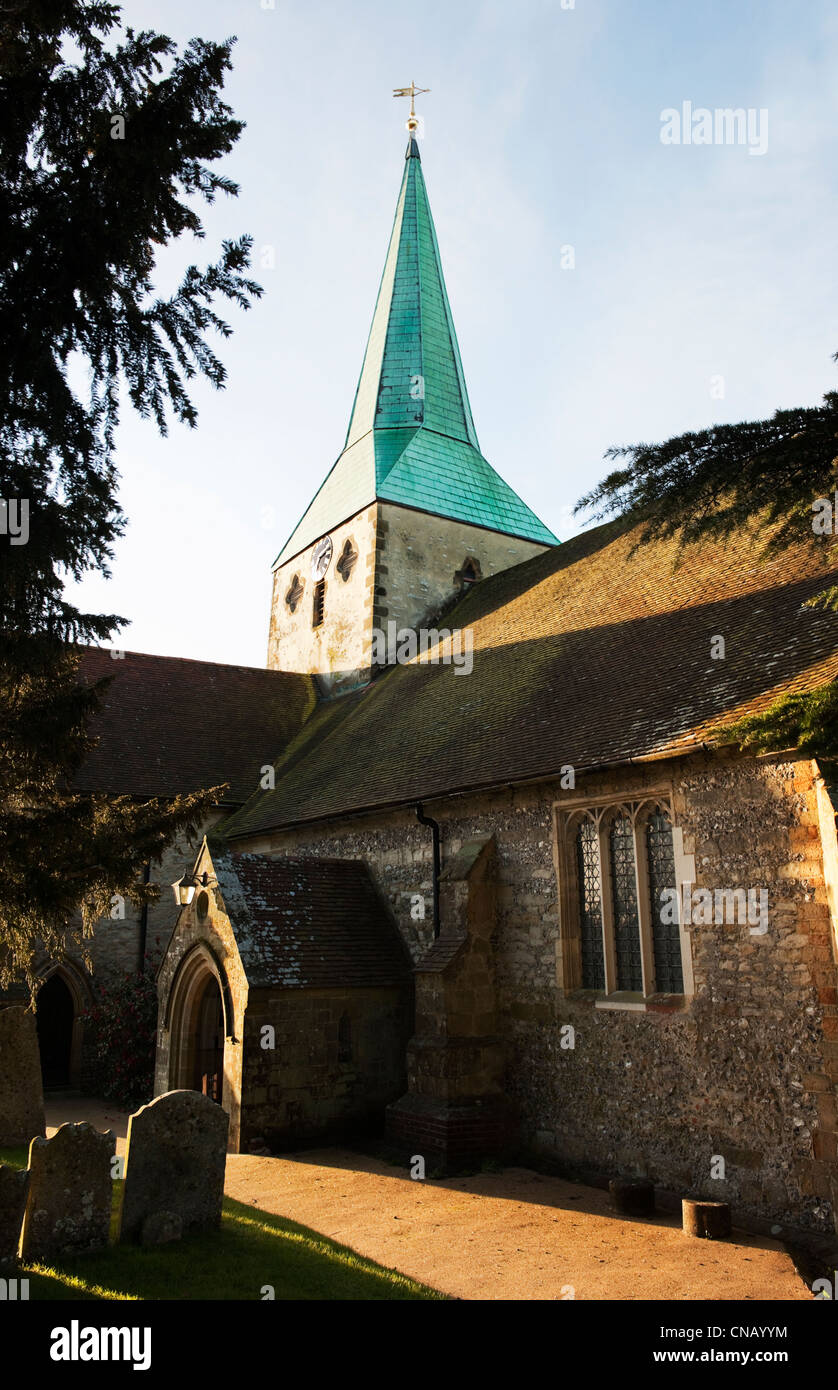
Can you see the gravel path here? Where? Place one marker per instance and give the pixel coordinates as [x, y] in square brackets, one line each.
[69, 1109]
[510, 1235]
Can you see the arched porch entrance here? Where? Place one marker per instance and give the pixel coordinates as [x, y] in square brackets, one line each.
[199, 1024]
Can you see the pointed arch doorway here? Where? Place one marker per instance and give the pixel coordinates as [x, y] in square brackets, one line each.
[199, 1008]
[62, 1000]
[207, 1059]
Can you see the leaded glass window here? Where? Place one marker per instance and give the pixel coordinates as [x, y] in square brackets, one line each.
[626, 914]
[590, 906]
[666, 935]
[618, 869]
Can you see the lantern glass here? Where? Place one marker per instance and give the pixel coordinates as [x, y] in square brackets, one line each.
[184, 890]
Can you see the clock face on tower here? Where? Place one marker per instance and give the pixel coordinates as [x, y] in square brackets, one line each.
[321, 557]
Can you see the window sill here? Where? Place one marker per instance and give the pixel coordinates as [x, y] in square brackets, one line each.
[627, 1001]
[622, 999]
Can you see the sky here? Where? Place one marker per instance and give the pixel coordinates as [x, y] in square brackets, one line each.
[607, 288]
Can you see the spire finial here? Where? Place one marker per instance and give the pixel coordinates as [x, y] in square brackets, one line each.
[412, 91]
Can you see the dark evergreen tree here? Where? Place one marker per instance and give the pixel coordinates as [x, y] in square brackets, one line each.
[779, 478]
[108, 140]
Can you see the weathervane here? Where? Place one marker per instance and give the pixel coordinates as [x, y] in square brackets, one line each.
[412, 91]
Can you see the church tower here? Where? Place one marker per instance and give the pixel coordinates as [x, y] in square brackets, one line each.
[411, 513]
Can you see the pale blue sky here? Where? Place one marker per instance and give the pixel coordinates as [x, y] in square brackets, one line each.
[542, 130]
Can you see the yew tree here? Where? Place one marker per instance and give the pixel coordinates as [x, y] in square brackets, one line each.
[778, 477]
[110, 140]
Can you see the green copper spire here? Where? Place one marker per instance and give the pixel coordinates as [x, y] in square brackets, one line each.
[411, 436]
[412, 374]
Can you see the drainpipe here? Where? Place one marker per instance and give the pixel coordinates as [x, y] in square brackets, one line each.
[434, 826]
[143, 923]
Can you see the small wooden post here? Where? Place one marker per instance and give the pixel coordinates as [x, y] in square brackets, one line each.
[707, 1220]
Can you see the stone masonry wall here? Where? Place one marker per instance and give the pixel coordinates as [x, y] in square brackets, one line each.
[745, 1069]
[405, 571]
[311, 1082]
[399, 852]
[419, 556]
[338, 651]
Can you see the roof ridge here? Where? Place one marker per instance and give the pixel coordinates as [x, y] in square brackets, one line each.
[191, 660]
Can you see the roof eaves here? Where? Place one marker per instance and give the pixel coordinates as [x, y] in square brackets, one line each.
[437, 794]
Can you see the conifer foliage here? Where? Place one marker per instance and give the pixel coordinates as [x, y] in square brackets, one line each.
[108, 142]
[779, 476]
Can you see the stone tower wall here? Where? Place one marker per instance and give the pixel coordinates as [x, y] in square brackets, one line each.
[420, 557]
[407, 570]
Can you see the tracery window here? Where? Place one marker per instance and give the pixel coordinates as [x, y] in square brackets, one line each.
[626, 906]
[590, 905]
[620, 927]
[669, 970]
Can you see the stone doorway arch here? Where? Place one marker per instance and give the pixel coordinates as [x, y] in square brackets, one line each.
[62, 999]
[200, 1023]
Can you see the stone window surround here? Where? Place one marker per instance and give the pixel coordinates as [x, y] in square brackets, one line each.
[469, 574]
[318, 605]
[348, 559]
[566, 817]
[75, 976]
[294, 593]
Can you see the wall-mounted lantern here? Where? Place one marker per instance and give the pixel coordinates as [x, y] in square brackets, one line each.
[185, 888]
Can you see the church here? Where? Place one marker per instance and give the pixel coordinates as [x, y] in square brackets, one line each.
[527, 903]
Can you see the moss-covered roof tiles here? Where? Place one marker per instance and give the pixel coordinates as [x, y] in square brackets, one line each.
[168, 725]
[588, 654]
[309, 923]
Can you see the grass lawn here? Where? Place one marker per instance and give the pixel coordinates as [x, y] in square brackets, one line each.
[251, 1249]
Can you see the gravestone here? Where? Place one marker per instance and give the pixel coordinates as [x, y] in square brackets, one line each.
[21, 1089]
[13, 1186]
[160, 1228]
[68, 1206]
[175, 1162]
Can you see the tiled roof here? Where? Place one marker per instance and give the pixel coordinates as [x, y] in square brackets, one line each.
[411, 436]
[309, 923]
[168, 725]
[450, 478]
[586, 655]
